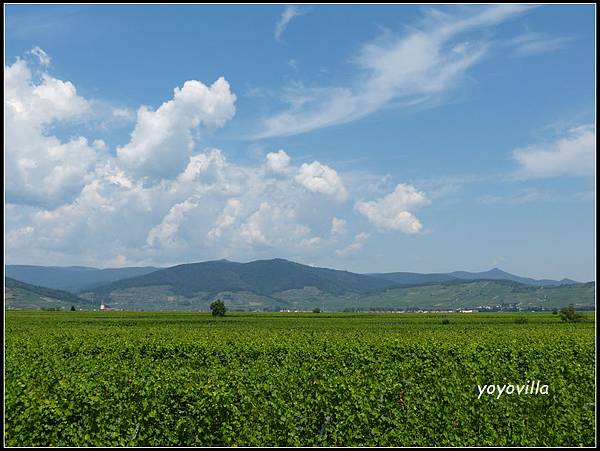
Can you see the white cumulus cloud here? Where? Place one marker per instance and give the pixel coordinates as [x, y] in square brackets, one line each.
[41, 169]
[392, 212]
[278, 162]
[166, 232]
[227, 219]
[272, 225]
[338, 226]
[320, 178]
[163, 140]
[573, 154]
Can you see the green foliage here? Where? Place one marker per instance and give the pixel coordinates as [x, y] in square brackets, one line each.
[316, 310]
[218, 308]
[521, 320]
[570, 315]
[184, 379]
[73, 308]
[445, 321]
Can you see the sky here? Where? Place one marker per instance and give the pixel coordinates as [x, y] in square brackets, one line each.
[369, 138]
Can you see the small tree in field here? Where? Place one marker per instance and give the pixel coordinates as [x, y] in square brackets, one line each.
[570, 315]
[72, 308]
[218, 308]
[316, 310]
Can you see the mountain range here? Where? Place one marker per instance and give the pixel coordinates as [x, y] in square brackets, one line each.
[83, 278]
[411, 278]
[280, 284]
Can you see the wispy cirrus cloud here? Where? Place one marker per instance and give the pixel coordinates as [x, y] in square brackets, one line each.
[356, 245]
[42, 56]
[288, 14]
[532, 43]
[408, 70]
[534, 195]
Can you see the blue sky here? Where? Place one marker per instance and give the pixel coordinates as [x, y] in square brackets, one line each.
[366, 138]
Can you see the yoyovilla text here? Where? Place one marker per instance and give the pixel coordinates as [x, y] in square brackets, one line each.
[530, 388]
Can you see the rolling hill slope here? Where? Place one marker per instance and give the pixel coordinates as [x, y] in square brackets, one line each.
[471, 294]
[20, 295]
[71, 278]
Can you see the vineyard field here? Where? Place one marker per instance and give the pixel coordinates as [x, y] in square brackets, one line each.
[91, 378]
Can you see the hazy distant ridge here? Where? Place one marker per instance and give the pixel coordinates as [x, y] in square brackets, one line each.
[410, 278]
[72, 278]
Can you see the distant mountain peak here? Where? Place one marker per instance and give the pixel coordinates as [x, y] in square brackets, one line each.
[500, 273]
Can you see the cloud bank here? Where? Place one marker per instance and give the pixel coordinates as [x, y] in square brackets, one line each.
[162, 197]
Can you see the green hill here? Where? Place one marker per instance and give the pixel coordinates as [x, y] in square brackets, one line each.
[263, 277]
[71, 278]
[473, 294]
[21, 295]
[273, 285]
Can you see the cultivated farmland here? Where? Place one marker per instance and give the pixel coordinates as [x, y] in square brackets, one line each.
[124, 378]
